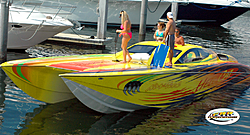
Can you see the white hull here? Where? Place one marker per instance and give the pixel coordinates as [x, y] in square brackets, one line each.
[98, 101]
[86, 11]
[25, 30]
[25, 37]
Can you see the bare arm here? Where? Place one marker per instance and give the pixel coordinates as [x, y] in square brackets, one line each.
[155, 34]
[182, 41]
[168, 25]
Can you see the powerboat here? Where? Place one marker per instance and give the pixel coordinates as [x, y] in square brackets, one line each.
[105, 85]
[28, 27]
[204, 12]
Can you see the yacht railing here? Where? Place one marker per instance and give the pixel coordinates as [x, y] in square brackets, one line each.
[54, 8]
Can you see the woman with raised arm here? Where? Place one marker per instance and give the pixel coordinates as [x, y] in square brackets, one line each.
[126, 33]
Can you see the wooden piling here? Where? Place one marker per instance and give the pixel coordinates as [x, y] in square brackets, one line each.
[143, 20]
[102, 19]
[174, 10]
[4, 20]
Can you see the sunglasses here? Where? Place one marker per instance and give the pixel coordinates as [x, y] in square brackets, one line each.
[121, 14]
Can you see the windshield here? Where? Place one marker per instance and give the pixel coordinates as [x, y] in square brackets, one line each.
[194, 54]
[142, 49]
[176, 52]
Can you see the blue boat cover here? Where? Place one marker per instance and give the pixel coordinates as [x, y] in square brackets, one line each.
[160, 56]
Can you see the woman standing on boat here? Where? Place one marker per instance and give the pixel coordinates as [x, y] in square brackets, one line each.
[126, 33]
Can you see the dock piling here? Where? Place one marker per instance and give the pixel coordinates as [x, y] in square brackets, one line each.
[143, 19]
[174, 10]
[102, 19]
[4, 20]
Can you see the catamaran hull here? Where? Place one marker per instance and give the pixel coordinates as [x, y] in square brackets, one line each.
[43, 84]
[39, 77]
[116, 93]
[98, 101]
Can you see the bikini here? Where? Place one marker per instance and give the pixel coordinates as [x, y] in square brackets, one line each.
[159, 35]
[129, 33]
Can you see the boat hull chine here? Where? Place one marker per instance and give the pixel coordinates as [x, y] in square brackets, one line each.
[98, 101]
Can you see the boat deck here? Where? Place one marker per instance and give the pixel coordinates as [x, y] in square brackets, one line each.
[84, 39]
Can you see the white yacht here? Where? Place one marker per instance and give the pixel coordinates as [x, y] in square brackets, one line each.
[212, 12]
[28, 27]
[86, 11]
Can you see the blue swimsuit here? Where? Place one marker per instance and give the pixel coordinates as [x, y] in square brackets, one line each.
[159, 35]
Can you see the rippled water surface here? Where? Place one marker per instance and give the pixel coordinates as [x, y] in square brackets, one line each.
[21, 114]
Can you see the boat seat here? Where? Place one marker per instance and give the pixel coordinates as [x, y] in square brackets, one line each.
[189, 57]
[158, 57]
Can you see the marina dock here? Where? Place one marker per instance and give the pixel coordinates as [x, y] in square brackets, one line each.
[83, 40]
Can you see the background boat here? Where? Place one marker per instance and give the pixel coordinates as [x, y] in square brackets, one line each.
[215, 12]
[86, 11]
[28, 27]
[212, 12]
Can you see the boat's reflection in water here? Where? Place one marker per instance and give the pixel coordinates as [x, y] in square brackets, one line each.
[14, 105]
[179, 119]
[74, 118]
[2, 97]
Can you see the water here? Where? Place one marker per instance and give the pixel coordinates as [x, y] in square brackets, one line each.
[21, 114]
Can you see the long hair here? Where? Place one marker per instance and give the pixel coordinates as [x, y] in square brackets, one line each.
[124, 17]
[162, 24]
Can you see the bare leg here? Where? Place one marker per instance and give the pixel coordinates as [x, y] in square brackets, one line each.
[129, 57]
[124, 45]
[124, 55]
[170, 56]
